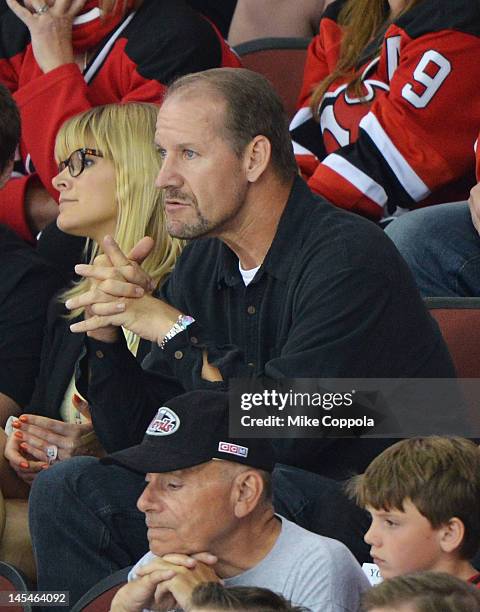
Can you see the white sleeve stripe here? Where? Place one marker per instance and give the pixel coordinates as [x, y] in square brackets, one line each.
[302, 116]
[404, 173]
[299, 150]
[359, 179]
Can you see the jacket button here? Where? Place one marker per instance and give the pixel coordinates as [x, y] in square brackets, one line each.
[194, 340]
[178, 354]
[99, 354]
[251, 310]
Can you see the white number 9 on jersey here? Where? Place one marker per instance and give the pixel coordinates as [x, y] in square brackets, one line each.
[431, 83]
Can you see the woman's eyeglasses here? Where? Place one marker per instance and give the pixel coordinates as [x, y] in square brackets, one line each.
[76, 161]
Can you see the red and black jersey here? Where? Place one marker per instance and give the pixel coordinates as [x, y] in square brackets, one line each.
[135, 61]
[409, 141]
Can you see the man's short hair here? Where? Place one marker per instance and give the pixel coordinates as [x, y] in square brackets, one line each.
[440, 475]
[253, 599]
[425, 592]
[9, 127]
[253, 108]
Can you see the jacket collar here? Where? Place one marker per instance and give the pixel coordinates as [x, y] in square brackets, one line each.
[286, 243]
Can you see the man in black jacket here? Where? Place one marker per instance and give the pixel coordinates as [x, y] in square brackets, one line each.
[275, 282]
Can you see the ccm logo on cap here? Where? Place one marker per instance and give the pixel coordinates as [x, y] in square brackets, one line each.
[165, 423]
[233, 449]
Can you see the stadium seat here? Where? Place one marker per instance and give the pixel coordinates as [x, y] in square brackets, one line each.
[459, 321]
[281, 60]
[12, 580]
[99, 597]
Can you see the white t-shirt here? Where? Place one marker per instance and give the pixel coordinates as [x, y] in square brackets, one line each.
[248, 275]
[309, 570]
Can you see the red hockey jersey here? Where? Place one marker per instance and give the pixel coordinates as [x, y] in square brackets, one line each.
[409, 141]
[146, 50]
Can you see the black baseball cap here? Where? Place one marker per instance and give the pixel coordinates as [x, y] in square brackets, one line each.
[188, 430]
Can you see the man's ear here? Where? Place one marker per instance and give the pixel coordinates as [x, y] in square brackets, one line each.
[257, 157]
[452, 535]
[247, 491]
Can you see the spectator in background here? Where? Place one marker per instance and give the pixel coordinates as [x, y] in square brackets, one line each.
[213, 596]
[372, 138]
[275, 18]
[69, 56]
[27, 283]
[422, 592]
[107, 188]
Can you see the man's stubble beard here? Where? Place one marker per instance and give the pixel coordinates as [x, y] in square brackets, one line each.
[203, 227]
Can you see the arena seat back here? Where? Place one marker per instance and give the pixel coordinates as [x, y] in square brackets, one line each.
[13, 581]
[281, 60]
[459, 322]
[99, 597]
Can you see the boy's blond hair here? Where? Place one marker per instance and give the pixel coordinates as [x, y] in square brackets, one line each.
[440, 475]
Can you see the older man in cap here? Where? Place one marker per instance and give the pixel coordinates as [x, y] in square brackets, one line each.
[209, 514]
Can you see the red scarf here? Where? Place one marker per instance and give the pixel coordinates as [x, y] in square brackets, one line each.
[87, 35]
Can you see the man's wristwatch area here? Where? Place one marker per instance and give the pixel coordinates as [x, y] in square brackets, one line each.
[180, 325]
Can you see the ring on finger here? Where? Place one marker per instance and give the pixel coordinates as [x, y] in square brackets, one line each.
[52, 453]
[42, 9]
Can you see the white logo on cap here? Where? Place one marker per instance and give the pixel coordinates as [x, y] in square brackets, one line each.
[233, 449]
[165, 423]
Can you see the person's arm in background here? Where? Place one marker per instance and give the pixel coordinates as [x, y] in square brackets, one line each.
[275, 18]
[474, 199]
[27, 286]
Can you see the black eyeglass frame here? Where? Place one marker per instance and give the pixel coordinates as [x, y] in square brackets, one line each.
[84, 151]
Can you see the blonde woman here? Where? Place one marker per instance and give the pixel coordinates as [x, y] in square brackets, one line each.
[107, 168]
[395, 109]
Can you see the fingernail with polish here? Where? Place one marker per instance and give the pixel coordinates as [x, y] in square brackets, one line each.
[24, 465]
[23, 445]
[23, 418]
[19, 435]
[16, 424]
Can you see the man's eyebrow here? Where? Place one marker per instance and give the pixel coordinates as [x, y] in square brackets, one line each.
[179, 145]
